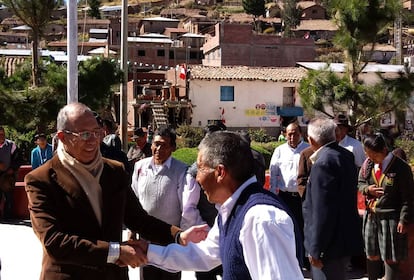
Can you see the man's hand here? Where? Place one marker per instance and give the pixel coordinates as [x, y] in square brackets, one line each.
[315, 262]
[140, 245]
[401, 228]
[132, 256]
[194, 234]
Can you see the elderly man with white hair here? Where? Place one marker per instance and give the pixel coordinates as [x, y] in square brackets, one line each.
[332, 228]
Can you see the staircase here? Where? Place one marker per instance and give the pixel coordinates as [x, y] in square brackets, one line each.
[159, 115]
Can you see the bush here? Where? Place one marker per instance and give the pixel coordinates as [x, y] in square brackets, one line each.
[266, 149]
[260, 135]
[186, 155]
[408, 147]
[189, 136]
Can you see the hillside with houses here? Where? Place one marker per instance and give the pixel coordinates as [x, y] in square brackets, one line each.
[204, 61]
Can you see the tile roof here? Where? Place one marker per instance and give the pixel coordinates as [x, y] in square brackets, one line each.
[306, 4]
[317, 24]
[246, 18]
[280, 74]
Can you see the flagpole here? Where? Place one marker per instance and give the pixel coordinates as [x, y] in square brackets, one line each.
[124, 68]
[72, 46]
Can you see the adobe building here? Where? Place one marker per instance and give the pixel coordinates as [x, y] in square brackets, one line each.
[237, 44]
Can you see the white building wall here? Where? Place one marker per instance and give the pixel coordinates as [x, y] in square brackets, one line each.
[254, 103]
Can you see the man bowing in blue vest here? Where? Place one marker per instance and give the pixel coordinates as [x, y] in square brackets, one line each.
[253, 236]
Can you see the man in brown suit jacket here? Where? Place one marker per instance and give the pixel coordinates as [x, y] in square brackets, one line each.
[79, 202]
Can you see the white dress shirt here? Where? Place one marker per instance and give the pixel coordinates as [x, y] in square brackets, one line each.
[354, 146]
[267, 238]
[284, 167]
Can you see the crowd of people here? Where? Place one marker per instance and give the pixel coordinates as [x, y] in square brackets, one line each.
[215, 217]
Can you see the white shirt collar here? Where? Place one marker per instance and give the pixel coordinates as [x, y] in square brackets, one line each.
[314, 157]
[226, 208]
[166, 163]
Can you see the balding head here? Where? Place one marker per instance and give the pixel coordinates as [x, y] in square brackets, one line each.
[293, 135]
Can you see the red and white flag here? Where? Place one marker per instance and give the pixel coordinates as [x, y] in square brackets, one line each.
[183, 72]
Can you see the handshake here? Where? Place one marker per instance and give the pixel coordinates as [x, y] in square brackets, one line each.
[134, 252]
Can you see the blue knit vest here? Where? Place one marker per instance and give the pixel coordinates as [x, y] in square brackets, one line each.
[231, 252]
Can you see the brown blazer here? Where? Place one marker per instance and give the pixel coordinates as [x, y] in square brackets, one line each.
[74, 245]
[304, 169]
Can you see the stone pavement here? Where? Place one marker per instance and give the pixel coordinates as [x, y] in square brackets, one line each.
[21, 254]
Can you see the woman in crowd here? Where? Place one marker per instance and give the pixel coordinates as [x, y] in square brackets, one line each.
[387, 183]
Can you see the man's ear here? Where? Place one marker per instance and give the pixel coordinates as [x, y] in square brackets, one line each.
[311, 141]
[222, 171]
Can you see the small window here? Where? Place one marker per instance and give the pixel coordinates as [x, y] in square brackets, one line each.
[141, 52]
[227, 93]
[160, 52]
[288, 96]
[171, 54]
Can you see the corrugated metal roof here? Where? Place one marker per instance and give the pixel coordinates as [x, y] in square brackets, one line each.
[160, 19]
[98, 31]
[340, 67]
[280, 74]
[149, 40]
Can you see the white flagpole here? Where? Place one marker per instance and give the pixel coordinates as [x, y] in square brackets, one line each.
[72, 46]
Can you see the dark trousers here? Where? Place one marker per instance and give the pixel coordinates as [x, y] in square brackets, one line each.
[154, 273]
[334, 269]
[7, 211]
[209, 275]
[294, 202]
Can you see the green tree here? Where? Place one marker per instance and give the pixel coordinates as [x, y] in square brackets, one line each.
[36, 108]
[291, 15]
[255, 8]
[360, 24]
[36, 14]
[96, 78]
[94, 8]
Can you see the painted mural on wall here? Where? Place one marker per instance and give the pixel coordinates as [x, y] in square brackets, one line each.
[265, 112]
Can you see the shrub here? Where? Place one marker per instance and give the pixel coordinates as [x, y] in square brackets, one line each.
[189, 136]
[186, 155]
[408, 147]
[266, 149]
[260, 135]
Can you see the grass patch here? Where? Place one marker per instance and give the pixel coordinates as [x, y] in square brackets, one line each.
[186, 155]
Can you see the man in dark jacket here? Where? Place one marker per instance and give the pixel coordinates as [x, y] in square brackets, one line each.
[79, 202]
[332, 230]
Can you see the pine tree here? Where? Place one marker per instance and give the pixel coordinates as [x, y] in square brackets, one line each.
[36, 14]
[94, 9]
[255, 8]
[291, 17]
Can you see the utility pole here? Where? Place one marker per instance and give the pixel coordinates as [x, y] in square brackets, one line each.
[72, 45]
[124, 68]
[398, 39]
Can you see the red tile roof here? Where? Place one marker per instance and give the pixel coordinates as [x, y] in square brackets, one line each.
[280, 74]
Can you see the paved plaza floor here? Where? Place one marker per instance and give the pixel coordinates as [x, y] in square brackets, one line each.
[21, 254]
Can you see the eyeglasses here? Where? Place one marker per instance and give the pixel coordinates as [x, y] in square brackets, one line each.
[205, 169]
[85, 135]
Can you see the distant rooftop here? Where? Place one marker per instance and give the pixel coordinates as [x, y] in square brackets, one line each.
[160, 19]
[340, 67]
[279, 74]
